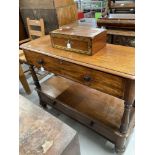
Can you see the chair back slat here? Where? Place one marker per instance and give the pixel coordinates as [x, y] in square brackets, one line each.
[34, 23]
[35, 33]
[38, 23]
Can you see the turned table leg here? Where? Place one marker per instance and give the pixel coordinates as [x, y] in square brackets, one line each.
[37, 84]
[34, 76]
[129, 97]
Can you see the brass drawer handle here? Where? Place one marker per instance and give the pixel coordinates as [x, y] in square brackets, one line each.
[87, 78]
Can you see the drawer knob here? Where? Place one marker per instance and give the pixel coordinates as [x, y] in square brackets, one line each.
[87, 78]
[40, 61]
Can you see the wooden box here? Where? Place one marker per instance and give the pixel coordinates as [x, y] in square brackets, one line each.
[80, 39]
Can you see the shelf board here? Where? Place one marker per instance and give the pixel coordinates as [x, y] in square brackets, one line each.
[95, 104]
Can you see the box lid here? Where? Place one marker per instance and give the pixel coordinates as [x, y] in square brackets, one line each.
[78, 31]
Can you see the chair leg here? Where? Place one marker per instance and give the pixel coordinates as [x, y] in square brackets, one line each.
[23, 80]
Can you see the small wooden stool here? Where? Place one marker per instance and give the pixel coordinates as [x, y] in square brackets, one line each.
[43, 134]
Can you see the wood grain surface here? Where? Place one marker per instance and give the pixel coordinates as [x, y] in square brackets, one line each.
[114, 59]
[121, 37]
[77, 30]
[96, 110]
[33, 32]
[87, 22]
[112, 67]
[67, 14]
[55, 13]
[122, 5]
[63, 3]
[121, 33]
[85, 40]
[38, 127]
[104, 82]
[95, 104]
[91, 22]
[37, 4]
[22, 32]
[23, 80]
[116, 23]
[121, 16]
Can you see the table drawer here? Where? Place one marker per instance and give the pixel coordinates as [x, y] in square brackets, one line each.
[102, 81]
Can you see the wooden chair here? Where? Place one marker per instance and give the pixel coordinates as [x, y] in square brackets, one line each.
[23, 80]
[36, 23]
[39, 24]
[32, 33]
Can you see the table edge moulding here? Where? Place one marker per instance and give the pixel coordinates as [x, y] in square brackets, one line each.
[126, 70]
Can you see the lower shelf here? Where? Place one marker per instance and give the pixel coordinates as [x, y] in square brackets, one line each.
[103, 108]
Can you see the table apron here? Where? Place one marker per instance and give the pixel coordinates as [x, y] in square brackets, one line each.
[99, 80]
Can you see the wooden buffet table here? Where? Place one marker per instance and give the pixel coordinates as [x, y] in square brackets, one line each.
[97, 90]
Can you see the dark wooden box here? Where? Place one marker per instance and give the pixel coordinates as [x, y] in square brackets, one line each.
[80, 39]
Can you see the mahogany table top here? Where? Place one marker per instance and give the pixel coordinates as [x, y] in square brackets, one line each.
[114, 59]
